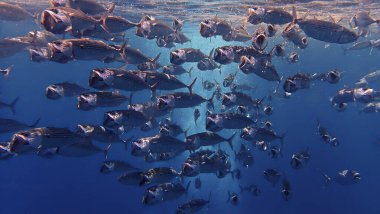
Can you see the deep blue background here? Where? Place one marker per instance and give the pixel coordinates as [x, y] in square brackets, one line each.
[31, 184]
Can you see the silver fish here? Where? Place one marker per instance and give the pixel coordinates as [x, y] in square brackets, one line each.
[10, 12]
[64, 89]
[92, 100]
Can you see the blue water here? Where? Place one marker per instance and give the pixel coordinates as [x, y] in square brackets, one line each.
[31, 184]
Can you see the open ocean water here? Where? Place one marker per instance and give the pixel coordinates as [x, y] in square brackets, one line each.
[33, 184]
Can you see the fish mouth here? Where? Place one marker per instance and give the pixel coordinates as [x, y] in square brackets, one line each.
[279, 50]
[18, 143]
[59, 53]
[260, 41]
[84, 103]
[271, 30]
[190, 170]
[137, 149]
[97, 81]
[176, 58]
[223, 56]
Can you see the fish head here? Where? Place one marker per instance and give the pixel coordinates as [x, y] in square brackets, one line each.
[248, 132]
[178, 57]
[165, 102]
[101, 79]
[25, 140]
[224, 55]
[86, 101]
[290, 86]
[296, 161]
[228, 99]
[190, 169]
[214, 123]
[205, 64]
[348, 37]
[355, 176]
[107, 167]
[85, 130]
[60, 51]
[333, 77]
[144, 29]
[55, 21]
[54, 92]
[255, 15]
[167, 69]
[39, 54]
[113, 120]
[260, 39]
[140, 147]
[247, 64]
[271, 30]
[152, 196]
[207, 28]
[147, 66]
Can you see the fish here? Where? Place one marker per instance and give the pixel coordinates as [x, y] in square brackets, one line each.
[181, 100]
[196, 115]
[361, 21]
[201, 139]
[10, 125]
[260, 66]
[359, 46]
[229, 79]
[157, 144]
[233, 198]
[158, 175]
[271, 30]
[177, 23]
[90, 7]
[367, 79]
[5, 154]
[279, 50]
[297, 82]
[274, 152]
[214, 27]
[193, 206]
[129, 118]
[99, 133]
[180, 56]
[300, 159]
[326, 136]
[272, 176]
[13, 12]
[253, 189]
[325, 31]
[286, 190]
[164, 192]
[170, 82]
[293, 34]
[118, 24]
[110, 166]
[45, 137]
[227, 54]
[347, 177]
[176, 70]
[262, 145]
[91, 100]
[148, 109]
[268, 15]
[240, 99]
[64, 89]
[6, 72]
[12, 46]
[239, 34]
[373, 107]
[218, 122]
[63, 51]
[207, 161]
[244, 156]
[208, 64]
[11, 106]
[254, 134]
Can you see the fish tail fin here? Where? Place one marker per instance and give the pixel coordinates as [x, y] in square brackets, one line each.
[190, 87]
[190, 70]
[230, 139]
[107, 150]
[123, 52]
[12, 105]
[8, 71]
[294, 13]
[35, 123]
[156, 58]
